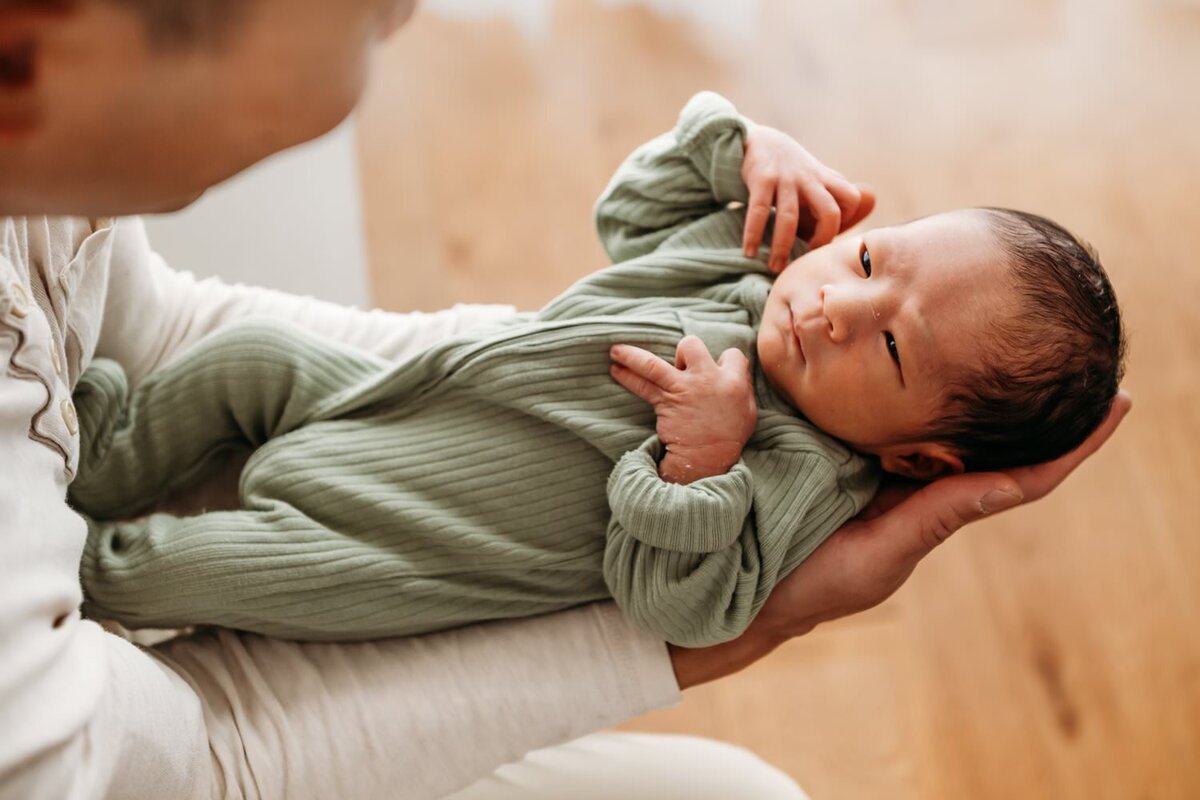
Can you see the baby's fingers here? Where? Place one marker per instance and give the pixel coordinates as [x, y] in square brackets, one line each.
[866, 205]
[825, 210]
[787, 217]
[855, 200]
[847, 196]
[645, 365]
[758, 211]
[734, 359]
[691, 354]
[636, 384]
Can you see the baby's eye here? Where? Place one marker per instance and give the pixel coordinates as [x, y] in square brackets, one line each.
[891, 346]
[864, 258]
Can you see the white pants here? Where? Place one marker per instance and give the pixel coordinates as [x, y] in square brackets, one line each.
[637, 766]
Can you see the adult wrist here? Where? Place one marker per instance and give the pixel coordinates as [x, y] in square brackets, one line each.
[694, 666]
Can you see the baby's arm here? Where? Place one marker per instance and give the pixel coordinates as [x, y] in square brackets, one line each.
[681, 560]
[674, 557]
[674, 179]
[715, 156]
[695, 563]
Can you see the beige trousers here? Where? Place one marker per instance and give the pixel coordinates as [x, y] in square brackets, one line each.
[636, 766]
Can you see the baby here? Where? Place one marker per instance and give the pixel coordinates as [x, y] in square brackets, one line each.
[504, 473]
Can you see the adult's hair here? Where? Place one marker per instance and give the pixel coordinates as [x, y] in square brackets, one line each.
[1052, 372]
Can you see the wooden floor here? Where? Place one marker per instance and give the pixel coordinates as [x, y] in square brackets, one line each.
[1044, 654]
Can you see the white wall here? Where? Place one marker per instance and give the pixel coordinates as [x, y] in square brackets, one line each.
[721, 19]
[292, 222]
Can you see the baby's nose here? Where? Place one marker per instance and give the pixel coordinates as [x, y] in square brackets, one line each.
[838, 313]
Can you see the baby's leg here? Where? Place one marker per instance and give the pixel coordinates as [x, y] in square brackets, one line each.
[240, 387]
[271, 571]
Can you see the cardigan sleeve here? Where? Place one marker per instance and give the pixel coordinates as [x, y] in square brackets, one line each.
[674, 179]
[153, 313]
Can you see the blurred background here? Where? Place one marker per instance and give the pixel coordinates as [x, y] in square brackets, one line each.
[1043, 654]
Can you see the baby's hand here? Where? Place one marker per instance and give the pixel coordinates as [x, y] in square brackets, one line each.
[809, 197]
[706, 409]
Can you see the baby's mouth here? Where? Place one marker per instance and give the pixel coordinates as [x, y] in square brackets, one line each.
[794, 329]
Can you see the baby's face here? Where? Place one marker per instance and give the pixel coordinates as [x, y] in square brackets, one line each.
[862, 334]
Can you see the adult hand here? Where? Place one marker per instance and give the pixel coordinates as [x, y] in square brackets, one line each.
[871, 556]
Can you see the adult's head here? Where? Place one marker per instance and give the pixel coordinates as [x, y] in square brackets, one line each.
[121, 106]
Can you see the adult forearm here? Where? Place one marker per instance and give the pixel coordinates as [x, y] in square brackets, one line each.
[227, 714]
[174, 310]
[417, 717]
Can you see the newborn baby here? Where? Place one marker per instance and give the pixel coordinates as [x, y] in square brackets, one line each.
[505, 473]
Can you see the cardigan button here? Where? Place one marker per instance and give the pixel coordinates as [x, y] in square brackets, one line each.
[19, 303]
[69, 417]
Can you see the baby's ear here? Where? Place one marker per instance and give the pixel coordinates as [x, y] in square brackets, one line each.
[922, 462]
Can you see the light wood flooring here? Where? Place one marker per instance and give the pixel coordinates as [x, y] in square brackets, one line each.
[1044, 654]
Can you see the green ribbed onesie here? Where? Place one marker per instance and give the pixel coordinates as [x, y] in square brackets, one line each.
[499, 474]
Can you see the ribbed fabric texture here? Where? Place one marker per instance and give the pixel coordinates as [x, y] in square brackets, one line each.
[499, 474]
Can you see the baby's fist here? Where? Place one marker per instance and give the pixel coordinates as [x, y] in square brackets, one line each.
[706, 409]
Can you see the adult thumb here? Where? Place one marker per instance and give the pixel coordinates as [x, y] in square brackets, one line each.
[935, 512]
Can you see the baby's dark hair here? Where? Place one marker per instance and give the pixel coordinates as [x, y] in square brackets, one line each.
[1051, 373]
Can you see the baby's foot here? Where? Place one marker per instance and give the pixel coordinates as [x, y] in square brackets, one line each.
[100, 397]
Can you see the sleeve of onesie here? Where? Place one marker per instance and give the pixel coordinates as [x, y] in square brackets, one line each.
[695, 563]
[682, 561]
[651, 219]
[674, 179]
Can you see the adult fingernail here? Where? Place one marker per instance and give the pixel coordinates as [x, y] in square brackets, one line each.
[998, 500]
[749, 251]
